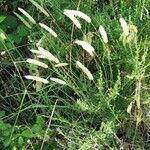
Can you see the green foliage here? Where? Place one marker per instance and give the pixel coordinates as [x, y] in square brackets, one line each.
[13, 33]
[109, 112]
[20, 136]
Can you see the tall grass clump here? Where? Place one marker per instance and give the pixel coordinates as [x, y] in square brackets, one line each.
[83, 81]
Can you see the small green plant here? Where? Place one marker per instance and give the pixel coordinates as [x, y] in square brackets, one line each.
[23, 136]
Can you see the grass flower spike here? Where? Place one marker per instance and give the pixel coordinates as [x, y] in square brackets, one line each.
[86, 46]
[58, 81]
[39, 7]
[61, 65]
[72, 14]
[47, 55]
[48, 29]
[74, 19]
[79, 14]
[23, 20]
[85, 70]
[35, 78]
[124, 26]
[36, 62]
[35, 51]
[27, 15]
[103, 34]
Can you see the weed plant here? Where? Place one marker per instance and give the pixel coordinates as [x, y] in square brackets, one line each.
[98, 99]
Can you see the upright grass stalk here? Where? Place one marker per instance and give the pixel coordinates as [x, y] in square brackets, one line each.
[48, 126]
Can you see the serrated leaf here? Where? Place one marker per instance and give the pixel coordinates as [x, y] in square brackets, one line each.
[36, 129]
[6, 133]
[2, 113]
[40, 121]
[20, 140]
[27, 133]
[3, 126]
[7, 142]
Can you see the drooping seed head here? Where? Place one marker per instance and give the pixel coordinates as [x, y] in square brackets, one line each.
[79, 14]
[85, 70]
[103, 34]
[124, 26]
[39, 7]
[86, 46]
[73, 19]
[36, 62]
[58, 81]
[48, 29]
[27, 15]
[35, 78]
[47, 55]
[61, 65]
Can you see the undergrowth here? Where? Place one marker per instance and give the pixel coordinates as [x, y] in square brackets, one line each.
[110, 111]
